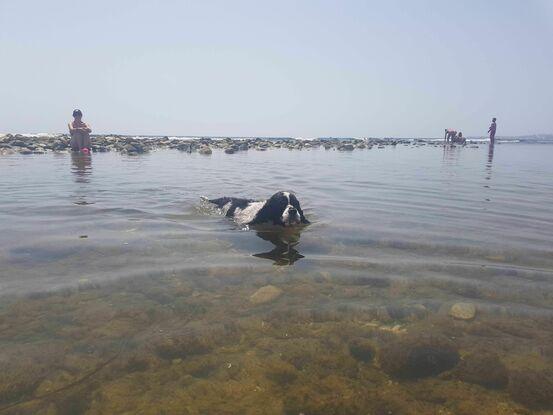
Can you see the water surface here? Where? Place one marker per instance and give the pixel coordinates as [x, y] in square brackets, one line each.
[121, 292]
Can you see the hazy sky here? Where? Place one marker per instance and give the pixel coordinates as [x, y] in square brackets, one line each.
[280, 68]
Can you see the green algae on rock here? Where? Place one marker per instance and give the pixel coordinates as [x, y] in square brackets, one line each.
[485, 369]
[415, 357]
[533, 389]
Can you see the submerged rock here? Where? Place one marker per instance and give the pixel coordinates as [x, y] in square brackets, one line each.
[484, 369]
[265, 294]
[414, 357]
[362, 349]
[532, 388]
[463, 311]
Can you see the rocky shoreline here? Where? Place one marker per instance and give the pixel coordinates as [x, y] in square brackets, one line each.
[25, 144]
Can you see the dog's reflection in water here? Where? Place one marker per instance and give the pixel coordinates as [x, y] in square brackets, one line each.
[284, 240]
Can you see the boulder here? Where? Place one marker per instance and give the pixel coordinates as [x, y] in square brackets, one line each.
[416, 357]
[205, 150]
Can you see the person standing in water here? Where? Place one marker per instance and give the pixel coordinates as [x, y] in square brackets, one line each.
[491, 130]
[80, 132]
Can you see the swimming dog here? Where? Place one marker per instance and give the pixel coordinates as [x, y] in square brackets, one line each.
[282, 209]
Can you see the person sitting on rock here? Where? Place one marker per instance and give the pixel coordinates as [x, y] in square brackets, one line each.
[80, 132]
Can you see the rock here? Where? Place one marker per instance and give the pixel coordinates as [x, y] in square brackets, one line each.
[26, 151]
[414, 357]
[484, 369]
[346, 147]
[229, 150]
[463, 311]
[129, 148]
[243, 147]
[362, 349]
[205, 150]
[265, 294]
[185, 147]
[139, 147]
[532, 388]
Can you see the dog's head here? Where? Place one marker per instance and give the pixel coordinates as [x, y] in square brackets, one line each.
[282, 208]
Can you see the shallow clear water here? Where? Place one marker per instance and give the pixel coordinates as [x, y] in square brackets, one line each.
[125, 293]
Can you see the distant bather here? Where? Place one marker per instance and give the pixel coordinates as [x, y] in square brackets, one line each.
[80, 132]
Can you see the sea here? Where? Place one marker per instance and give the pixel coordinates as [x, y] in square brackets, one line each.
[423, 285]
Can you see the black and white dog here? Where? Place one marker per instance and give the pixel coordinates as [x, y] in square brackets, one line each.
[282, 208]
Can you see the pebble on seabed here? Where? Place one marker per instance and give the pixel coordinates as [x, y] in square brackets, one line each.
[463, 311]
[265, 294]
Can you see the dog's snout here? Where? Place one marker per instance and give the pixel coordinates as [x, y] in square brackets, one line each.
[292, 209]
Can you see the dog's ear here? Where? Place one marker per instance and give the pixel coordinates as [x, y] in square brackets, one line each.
[271, 212]
[268, 214]
[296, 203]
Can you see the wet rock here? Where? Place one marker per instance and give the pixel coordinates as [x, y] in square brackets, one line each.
[418, 357]
[26, 151]
[346, 147]
[485, 369]
[362, 349]
[265, 294]
[533, 389]
[229, 150]
[205, 150]
[130, 148]
[463, 311]
[185, 147]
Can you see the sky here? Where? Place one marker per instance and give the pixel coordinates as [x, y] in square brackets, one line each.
[278, 68]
